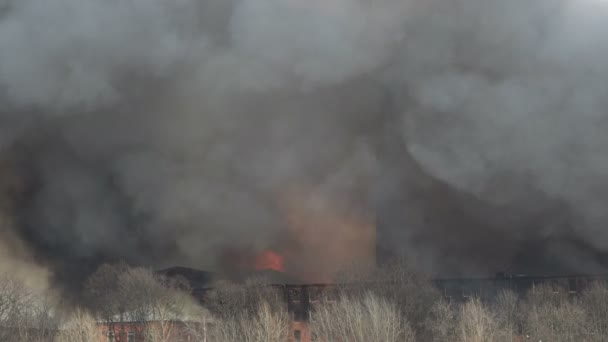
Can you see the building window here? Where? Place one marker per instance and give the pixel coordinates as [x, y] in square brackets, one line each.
[131, 337]
[297, 336]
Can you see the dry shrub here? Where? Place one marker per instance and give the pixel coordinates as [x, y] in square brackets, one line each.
[441, 324]
[508, 313]
[474, 321]
[229, 299]
[548, 313]
[477, 323]
[360, 319]
[250, 312]
[264, 325]
[26, 314]
[547, 294]
[14, 300]
[595, 301]
[41, 317]
[80, 326]
[410, 291]
[552, 316]
[564, 323]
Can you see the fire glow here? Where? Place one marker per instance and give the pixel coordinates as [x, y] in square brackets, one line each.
[269, 260]
[326, 233]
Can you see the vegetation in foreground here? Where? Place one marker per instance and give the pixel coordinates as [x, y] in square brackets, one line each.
[388, 305]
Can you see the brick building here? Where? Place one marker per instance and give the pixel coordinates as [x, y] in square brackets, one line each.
[174, 331]
[123, 329]
[300, 299]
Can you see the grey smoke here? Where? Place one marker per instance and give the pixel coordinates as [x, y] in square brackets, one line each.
[162, 131]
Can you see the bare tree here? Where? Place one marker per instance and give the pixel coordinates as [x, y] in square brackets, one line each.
[508, 314]
[360, 319]
[79, 326]
[441, 323]
[11, 293]
[27, 314]
[13, 299]
[41, 317]
[103, 297]
[249, 312]
[477, 323]
[201, 330]
[137, 295]
[227, 299]
[265, 324]
[553, 316]
[412, 292]
[171, 310]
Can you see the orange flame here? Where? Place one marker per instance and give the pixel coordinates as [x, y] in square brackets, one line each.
[269, 260]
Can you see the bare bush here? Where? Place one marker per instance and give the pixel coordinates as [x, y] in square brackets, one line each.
[509, 316]
[594, 300]
[227, 299]
[552, 316]
[474, 321]
[442, 322]
[80, 326]
[13, 299]
[266, 324]
[410, 291]
[249, 312]
[547, 294]
[25, 314]
[477, 323]
[564, 323]
[360, 319]
[40, 317]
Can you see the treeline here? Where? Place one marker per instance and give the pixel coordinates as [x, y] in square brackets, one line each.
[113, 298]
[391, 304]
[395, 304]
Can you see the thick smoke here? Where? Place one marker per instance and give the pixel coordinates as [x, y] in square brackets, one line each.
[165, 132]
[509, 107]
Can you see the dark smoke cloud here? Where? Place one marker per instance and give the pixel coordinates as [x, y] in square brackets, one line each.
[509, 106]
[164, 132]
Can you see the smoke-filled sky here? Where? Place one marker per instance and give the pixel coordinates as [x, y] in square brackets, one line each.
[167, 132]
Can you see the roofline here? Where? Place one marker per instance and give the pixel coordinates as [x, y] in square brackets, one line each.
[486, 278]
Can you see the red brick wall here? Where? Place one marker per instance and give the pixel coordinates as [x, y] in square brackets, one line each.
[303, 328]
[121, 332]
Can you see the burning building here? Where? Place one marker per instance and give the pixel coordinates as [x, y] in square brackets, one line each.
[466, 136]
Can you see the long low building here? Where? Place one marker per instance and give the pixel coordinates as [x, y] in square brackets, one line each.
[300, 299]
